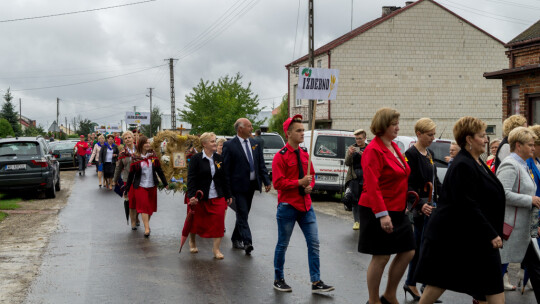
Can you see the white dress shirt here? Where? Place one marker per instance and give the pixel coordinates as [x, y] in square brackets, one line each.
[246, 151]
[108, 156]
[147, 179]
[212, 193]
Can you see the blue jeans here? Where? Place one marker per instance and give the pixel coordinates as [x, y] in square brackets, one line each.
[286, 217]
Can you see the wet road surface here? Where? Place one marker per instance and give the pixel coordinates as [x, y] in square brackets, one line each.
[95, 258]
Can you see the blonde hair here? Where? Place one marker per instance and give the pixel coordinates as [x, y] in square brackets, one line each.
[467, 126]
[520, 135]
[513, 122]
[536, 131]
[424, 125]
[206, 136]
[220, 140]
[382, 119]
[360, 131]
[128, 133]
[101, 137]
[495, 141]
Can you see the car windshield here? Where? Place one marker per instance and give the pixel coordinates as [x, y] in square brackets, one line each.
[19, 148]
[440, 150]
[273, 142]
[64, 145]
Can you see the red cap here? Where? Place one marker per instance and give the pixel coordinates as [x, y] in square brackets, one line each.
[82, 136]
[288, 121]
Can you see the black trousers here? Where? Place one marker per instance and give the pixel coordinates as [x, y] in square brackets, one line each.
[532, 263]
[243, 206]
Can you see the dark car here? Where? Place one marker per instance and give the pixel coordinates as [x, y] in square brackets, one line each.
[273, 142]
[63, 152]
[26, 163]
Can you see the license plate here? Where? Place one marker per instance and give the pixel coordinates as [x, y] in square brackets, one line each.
[326, 178]
[268, 155]
[66, 155]
[16, 167]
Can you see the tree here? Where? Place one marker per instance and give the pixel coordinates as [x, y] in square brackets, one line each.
[276, 121]
[34, 131]
[5, 128]
[85, 127]
[9, 114]
[156, 122]
[216, 106]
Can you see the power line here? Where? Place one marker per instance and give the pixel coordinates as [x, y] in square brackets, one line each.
[89, 81]
[64, 75]
[483, 13]
[76, 12]
[515, 4]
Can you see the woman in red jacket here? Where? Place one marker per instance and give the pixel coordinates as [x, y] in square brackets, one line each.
[384, 227]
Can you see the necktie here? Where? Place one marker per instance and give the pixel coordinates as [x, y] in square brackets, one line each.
[301, 189]
[250, 159]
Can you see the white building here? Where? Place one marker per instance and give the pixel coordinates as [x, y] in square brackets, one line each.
[423, 60]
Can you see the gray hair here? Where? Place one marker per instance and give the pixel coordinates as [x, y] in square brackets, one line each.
[206, 137]
[238, 124]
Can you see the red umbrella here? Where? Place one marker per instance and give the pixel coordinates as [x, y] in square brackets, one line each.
[189, 218]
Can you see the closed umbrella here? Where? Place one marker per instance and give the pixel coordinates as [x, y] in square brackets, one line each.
[119, 189]
[189, 219]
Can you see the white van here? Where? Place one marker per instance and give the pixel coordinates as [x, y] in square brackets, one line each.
[329, 158]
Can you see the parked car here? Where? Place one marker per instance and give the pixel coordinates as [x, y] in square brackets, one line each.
[273, 142]
[328, 158]
[27, 163]
[439, 147]
[63, 152]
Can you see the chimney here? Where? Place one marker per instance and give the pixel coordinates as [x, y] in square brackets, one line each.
[387, 10]
[409, 3]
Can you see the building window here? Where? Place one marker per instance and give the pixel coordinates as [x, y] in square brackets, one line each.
[319, 101]
[490, 130]
[534, 106]
[513, 102]
[297, 102]
[319, 63]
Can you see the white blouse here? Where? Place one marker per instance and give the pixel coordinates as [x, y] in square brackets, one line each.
[147, 179]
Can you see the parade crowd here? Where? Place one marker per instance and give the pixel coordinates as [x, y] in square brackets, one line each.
[456, 234]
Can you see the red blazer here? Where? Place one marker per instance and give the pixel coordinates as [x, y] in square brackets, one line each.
[385, 178]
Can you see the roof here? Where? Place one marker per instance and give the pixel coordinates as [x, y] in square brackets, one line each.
[367, 26]
[507, 72]
[529, 35]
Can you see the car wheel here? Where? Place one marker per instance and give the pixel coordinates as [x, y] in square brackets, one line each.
[57, 186]
[51, 192]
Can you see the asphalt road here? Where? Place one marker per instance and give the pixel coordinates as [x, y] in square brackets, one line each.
[95, 258]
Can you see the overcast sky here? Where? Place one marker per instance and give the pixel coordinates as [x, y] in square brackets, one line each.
[211, 38]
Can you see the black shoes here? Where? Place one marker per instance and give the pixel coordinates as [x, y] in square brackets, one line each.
[321, 287]
[406, 289]
[248, 248]
[282, 286]
[133, 228]
[237, 245]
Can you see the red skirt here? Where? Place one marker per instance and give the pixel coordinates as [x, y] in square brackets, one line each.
[209, 218]
[131, 198]
[144, 199]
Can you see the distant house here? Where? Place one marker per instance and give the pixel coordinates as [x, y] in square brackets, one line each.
[521, 80]
[26, 122]
[422, 59]
[67, 130]
[54, 127]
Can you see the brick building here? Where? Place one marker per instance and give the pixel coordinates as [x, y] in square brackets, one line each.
[521, 81]
[422, 59]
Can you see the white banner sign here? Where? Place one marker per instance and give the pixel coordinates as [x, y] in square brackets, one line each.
[316, 83]
[113, 127]
[138, 118]
[100, 129]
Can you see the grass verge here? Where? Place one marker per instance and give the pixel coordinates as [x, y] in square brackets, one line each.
[8, 204]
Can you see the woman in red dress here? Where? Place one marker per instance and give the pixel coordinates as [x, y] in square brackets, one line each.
[206, 174]
[143, 176]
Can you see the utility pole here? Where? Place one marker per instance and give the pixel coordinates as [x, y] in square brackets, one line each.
[352, 10]
[312, 108]
[57, 111]
[20, 113]
[173, 106]
[150, 111]
[67, 128]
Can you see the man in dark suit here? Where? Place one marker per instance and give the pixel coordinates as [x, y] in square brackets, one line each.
[245, 170]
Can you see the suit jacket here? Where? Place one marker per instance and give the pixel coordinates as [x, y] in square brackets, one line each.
[470, 211]
[385, 178]
[236, 165]
[200, 176]
[134, 177]
[103, 154]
